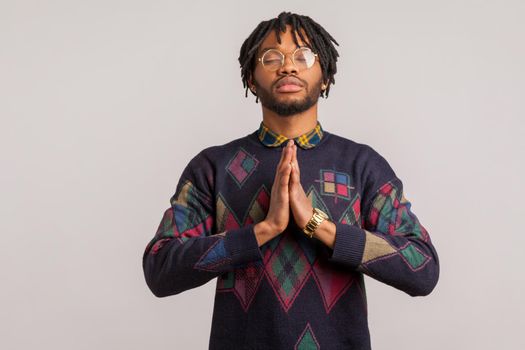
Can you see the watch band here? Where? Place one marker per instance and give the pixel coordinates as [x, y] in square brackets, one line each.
[317, 218]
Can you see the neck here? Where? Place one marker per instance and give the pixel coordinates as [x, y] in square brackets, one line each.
[293, 125]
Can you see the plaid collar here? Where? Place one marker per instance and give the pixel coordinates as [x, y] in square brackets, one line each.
[306, 140]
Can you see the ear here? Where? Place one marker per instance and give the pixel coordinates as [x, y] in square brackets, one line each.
[251, 86]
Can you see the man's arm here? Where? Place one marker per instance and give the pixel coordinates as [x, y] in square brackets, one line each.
[393, 247]
[185, 252]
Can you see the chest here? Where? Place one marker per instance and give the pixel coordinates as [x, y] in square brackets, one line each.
[244, 181]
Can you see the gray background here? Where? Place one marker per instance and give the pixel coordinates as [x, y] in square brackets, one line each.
[103, 103]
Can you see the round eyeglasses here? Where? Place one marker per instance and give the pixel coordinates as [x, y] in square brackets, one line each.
[302, 58]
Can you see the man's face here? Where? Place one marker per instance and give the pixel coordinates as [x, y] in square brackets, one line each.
[286, 102]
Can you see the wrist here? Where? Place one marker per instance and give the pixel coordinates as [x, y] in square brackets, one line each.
[264, 232]
[270, 228]
[317, 218]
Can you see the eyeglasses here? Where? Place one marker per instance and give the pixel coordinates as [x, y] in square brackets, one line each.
[302, 58]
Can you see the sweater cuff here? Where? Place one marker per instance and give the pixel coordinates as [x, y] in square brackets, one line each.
[349, 245]
[242, 246]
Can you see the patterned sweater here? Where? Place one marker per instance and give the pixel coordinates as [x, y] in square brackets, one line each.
[293, 292]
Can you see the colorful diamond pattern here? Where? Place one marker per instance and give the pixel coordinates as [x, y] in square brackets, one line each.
[214, 257]
[352, 214]
[307, 340]
[414, 257]
[288, 259]
[247, 281]
[241, 166]
[332, 283]
[287, 270]
[390, 215]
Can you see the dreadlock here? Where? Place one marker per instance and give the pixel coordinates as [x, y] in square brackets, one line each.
[320, 43]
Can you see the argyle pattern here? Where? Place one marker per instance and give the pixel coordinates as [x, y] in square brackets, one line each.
[188, 218]
[184, 219]
[289, 260]
[241, 166]
[390, 216]
[390, 213]
[307, 140]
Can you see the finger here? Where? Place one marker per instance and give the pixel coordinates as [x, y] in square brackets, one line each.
[286, 156]
[284, 151]
[294, 153]
[287, 167]
[285, 178]
[283, 173]
[293, 162]
[289, 158]
[281, 160]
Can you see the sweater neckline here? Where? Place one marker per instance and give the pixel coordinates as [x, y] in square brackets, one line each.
[309, 139]
[255, 138]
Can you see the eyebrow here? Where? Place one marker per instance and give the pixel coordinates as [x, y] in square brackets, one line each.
[275, 47]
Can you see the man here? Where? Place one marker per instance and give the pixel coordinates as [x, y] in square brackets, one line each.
[289, 217]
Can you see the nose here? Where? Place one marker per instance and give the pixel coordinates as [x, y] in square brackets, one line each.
[288, 66]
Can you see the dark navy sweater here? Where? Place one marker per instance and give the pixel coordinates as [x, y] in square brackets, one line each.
[293, 292]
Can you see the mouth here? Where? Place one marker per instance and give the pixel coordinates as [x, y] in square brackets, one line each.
[286, 88]
[289, 84]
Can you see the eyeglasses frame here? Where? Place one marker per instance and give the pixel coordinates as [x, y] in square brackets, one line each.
[283, 57]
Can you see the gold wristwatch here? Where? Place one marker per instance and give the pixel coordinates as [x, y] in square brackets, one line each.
[316, 220]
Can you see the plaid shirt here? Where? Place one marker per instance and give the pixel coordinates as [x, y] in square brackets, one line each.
[306, 140]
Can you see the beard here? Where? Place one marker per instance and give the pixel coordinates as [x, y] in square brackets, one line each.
[292, 105]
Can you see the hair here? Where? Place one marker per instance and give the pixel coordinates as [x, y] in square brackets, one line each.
[320, 41]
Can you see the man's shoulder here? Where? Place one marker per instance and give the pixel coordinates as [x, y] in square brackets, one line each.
[224, 147]
[202, 165]
[363, 156]
[343, 143]
[216, 152]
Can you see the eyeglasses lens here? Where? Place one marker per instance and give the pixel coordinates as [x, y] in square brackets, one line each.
[303, 59]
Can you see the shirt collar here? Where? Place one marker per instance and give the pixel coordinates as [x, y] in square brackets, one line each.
[307, 140]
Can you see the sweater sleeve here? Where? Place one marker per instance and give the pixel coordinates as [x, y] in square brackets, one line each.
[186, 251]
[392, 246]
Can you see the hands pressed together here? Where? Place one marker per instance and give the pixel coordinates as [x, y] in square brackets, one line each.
[287, 193]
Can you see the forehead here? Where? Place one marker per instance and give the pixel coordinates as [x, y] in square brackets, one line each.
[287, 42]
